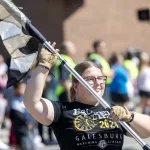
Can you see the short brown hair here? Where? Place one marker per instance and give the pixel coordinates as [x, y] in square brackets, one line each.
[80, 68]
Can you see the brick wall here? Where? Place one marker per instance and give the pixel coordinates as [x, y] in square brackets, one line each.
[83, 21]
[112, 20]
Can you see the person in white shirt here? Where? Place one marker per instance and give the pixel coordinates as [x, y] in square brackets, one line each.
[143, 81]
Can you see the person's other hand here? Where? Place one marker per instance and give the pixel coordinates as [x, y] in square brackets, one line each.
[119, 113]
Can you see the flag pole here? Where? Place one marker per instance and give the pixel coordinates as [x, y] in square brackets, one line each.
[26, 23]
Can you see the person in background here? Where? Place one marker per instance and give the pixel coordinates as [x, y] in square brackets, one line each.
[118, 86]
[81, 123]
[3, 101]
[22, 122]
[130, 65]
[3, 106]
[131, 61]
[143, 81]
[67, 51]
[3, 66]
[98, 57]
[132, 68]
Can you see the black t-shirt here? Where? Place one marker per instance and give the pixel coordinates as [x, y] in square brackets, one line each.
[80, 126]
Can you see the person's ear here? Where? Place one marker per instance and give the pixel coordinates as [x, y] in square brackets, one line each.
[75, 86]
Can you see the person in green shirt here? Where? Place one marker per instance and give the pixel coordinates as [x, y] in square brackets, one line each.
[63, 76]
[98, 57]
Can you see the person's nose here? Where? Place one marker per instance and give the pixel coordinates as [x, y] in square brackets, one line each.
[97, 82]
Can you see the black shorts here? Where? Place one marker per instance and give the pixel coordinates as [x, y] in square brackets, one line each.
[119, 98]
[144, 94]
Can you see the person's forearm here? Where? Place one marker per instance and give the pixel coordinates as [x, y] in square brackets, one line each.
[35, 86]
[141, 125]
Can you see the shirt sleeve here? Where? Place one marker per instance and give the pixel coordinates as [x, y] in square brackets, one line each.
[64, 73]
[57, 113]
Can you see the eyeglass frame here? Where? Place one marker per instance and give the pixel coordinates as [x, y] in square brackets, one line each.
[94, 81]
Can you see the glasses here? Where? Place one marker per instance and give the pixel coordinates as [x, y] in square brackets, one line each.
[91, 80]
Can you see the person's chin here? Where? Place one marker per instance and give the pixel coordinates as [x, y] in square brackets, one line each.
[100, 93]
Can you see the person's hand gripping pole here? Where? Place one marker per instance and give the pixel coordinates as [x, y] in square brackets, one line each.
[46, 58]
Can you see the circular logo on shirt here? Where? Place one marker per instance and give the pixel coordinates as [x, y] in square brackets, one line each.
[84, 123]
[102, 144]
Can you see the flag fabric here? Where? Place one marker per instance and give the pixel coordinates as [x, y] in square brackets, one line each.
[20, 45]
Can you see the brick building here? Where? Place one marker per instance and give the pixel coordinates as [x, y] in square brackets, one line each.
[83, 21]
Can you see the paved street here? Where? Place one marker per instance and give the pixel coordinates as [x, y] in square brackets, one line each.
[130, 144]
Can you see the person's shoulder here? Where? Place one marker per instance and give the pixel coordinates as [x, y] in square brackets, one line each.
[67, 105]
[62, 105]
